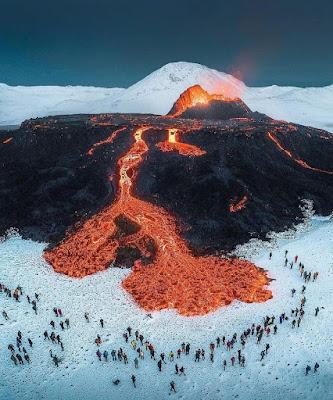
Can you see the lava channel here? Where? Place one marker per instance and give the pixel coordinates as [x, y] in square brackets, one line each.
[173, 278]
[298, 161]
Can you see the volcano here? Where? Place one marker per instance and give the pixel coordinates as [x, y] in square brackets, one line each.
[196, 103]
[165, 195]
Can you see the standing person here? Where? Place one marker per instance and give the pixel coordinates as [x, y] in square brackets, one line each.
[86, 316]
[177, 369]
[159, 364]
[133, 378]
[315, 369]
[101, 321]
[182, 371]
[316, 311]
[99, 355]
[270, 255]
[172, 386]
[232, 361]
[20, 359]
[67, 322]
[225, 363]
[5, 315]
[267, 348]
[105, 355]
[239, 355]
[136, 363]
[307, 370]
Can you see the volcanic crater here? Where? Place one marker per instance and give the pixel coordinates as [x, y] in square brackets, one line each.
[167, 194]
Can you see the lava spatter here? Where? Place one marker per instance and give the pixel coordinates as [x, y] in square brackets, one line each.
[174, 278]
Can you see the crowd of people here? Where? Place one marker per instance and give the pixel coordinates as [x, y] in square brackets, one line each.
[137, 348]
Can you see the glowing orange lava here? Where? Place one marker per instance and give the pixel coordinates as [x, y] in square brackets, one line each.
[6, 141]
[298, 161]
[236, 206]
[109, 140]
[172, 144]
[193, 96]
[174, 278]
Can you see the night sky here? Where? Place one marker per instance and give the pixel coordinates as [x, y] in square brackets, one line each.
[116, 43]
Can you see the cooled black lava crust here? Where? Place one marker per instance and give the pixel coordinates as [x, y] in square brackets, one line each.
[48, 183]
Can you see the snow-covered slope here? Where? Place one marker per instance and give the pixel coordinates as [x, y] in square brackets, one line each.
[306, 106]
[158, 91]
[18, 103]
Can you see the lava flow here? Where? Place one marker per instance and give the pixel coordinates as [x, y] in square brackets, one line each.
[172, 144]
[109, 139]
[298, 161]
[236, 206]
[171, 277]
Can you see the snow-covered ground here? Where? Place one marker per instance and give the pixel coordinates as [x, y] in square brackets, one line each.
[157, 92]
[81, 376]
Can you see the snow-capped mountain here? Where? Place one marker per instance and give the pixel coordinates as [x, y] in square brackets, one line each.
[158, 91]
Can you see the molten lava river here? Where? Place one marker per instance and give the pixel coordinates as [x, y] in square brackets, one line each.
[173, 277]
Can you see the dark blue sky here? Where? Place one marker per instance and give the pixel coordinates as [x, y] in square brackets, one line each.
[115, 43]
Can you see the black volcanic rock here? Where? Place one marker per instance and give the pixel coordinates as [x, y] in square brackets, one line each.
[48, 182]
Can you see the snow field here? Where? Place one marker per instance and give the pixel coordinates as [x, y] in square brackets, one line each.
[81, 376]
